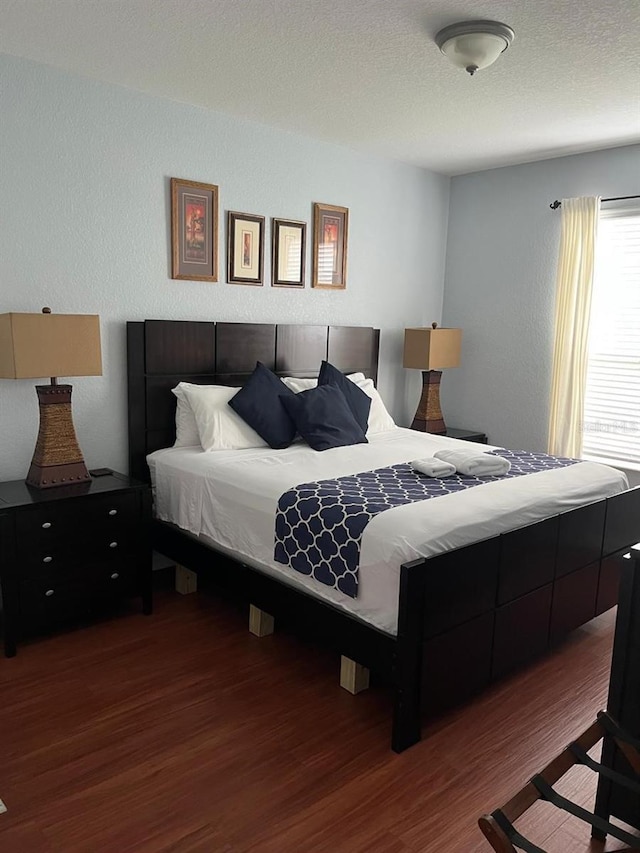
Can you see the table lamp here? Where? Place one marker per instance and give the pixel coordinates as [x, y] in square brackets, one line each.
[36, 345]
[430, 350]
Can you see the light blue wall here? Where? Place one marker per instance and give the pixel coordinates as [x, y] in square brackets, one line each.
[84, 227]
[500, 287]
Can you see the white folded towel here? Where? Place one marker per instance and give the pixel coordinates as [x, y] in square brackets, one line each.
[475, 464]
[433, 467]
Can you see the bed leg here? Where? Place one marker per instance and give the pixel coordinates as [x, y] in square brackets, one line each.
[261, 624]
[353, 676]
[406, 727]
[407, 704]
[186, 580]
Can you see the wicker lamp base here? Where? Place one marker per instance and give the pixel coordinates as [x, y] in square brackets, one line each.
[428, 417]
[57, 459]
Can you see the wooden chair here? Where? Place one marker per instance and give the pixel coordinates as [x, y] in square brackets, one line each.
[498, 827]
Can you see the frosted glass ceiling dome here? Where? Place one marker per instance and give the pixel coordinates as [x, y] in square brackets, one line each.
[473, 45]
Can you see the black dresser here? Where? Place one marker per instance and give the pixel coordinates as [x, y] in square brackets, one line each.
[70, 551]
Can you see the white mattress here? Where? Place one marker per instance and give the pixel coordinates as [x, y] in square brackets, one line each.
[230, 497]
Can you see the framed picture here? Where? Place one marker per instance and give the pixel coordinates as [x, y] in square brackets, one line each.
[245, 247]
[288, 245]
[194, 230]
[330, 228]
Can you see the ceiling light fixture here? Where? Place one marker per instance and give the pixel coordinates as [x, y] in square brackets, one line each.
[473, 45]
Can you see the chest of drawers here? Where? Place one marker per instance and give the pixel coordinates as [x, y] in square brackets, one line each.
[70, 551]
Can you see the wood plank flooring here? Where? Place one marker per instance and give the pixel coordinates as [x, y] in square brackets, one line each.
[182, 732]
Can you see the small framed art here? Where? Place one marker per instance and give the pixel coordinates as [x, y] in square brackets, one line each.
[288, 242]
[194, 230]
[245, 247]
[330, 231]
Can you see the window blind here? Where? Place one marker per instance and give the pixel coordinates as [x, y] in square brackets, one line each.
[611, 427]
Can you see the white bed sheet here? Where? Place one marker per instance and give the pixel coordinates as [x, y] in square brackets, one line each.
[229, 498]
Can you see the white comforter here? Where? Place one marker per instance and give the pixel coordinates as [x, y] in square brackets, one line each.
[230, 498]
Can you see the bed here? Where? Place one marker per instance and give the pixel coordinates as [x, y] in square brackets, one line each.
[453, 620]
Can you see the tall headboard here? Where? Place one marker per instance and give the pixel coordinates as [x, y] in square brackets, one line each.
[161, 353]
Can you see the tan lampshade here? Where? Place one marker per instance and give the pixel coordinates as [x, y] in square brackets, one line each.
[432, 349]
[39, 345]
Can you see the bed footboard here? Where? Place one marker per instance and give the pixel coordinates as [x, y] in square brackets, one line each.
[470, 616]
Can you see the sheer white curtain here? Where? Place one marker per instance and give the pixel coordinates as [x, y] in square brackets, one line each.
[573, 307]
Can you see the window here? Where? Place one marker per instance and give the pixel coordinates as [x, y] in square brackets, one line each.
[611, 428]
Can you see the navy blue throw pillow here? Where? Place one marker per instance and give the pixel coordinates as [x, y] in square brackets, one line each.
[259, 404]
[358, 401]
[323, 418]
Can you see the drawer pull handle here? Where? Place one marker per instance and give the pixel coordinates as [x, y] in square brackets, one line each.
[46, 525]
[47, 559]
[49, 593]
[115, 576]
[113, 544]
[113, 512]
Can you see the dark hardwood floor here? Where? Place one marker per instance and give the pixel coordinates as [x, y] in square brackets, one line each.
[182, 732]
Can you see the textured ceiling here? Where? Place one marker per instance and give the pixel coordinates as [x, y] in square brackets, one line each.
[363, 73]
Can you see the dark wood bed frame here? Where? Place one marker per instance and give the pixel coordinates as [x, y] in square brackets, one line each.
[466, 617]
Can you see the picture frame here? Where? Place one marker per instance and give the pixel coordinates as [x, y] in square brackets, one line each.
[288, 252]
[330, 235]
[194, 230]
[245, 247]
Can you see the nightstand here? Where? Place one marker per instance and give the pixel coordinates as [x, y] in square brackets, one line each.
[69, 551]
[466, 435]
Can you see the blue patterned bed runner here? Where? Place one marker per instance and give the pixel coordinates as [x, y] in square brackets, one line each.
[319, 526]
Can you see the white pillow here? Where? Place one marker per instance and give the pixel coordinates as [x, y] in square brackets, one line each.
[186, 426]
[219, 427]
[298, 385]
[379, 418]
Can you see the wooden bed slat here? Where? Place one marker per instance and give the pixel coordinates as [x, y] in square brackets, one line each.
[179, 347]
[347, 344]
[574, 600]
[522, 630]
[580, 537]
[240, 345]
[464, 586]
[300, 349]
[609, 582]
[528, 559]
[136, 408]
[621, 521]
[458, 662]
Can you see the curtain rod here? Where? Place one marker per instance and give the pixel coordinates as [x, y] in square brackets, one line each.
[556, 204]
